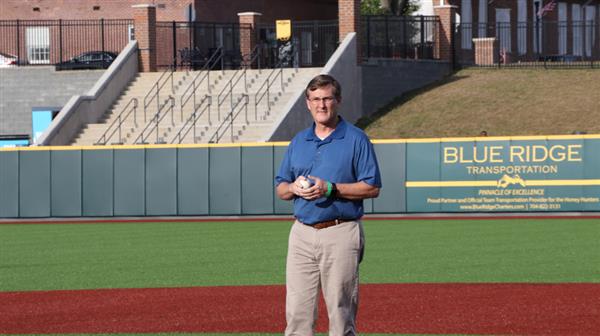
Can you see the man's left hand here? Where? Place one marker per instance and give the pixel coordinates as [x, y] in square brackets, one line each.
[317, 190]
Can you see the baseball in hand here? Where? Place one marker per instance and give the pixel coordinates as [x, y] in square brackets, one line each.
[304, 184]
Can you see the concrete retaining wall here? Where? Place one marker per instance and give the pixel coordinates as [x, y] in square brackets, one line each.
[342, 66]
[365, 88]
[81, 110]
[384, 80]
[24, 88]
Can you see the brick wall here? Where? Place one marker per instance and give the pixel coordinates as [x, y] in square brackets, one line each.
[271, 10]
[84, 9]
[168, 10]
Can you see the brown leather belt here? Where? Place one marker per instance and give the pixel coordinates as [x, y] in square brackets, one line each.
[326, 224]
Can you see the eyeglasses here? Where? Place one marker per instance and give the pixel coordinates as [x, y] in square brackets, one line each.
[318, 100]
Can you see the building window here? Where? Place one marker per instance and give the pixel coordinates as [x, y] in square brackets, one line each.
[562, 28]
[483, 18]
[466, 21]
[38, 45]
[577, 19]
[590, 29]
[522, 27]
[503, 30]
[537, 31]
[130, 33]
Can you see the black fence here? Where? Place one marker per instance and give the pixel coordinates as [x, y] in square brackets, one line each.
[399, 37]
[48, 42]
[190, 44]
[311, 45]
[538, 43]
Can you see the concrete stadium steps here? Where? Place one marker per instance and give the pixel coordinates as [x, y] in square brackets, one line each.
[261, 117]
[138, 88]
[267, 110]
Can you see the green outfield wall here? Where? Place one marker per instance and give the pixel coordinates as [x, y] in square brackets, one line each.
[552, 173]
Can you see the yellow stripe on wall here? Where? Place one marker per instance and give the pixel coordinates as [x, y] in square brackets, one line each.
[494, 183]
[285, 143]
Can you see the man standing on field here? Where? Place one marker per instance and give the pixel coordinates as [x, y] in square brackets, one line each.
[328, 169]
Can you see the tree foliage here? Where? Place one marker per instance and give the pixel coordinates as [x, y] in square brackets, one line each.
[371, 7]
[389, 7]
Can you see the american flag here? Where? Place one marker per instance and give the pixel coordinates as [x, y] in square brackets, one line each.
[548, 8]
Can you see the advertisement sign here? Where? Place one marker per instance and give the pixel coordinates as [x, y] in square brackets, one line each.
[283, 29]
[560, 173]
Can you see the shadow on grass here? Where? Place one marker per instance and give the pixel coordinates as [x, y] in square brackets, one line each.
[364, 122]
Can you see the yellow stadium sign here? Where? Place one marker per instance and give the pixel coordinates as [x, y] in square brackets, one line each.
[283, 29]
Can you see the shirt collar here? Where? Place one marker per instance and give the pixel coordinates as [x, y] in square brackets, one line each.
[338, 132]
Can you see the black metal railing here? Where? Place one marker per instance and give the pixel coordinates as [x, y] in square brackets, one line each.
[537, 43]
[153, 125]
[48, 42]
[399, 37]
[227, 90]
[227, 123]
[190, 44]
[190, 123]
[253, 60]
[203, 76]
[115, 127]
[311, 44]
[154, 94]
[265, 89]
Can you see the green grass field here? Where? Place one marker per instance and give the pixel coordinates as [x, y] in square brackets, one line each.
[138, 255]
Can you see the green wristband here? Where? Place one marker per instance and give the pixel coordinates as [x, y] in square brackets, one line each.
[329, 189]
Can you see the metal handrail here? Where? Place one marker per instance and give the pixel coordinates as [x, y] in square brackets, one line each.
[248, 60]
[230, 84]
[203, 74]
[233, 82]
[155, 121]
[277, 71]
[157, 87]
[120, 119]
[216, 137]
[192, 120]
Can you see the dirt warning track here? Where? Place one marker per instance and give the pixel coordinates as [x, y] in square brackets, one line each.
[507, 309]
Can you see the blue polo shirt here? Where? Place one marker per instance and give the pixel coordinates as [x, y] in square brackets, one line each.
[345, 156]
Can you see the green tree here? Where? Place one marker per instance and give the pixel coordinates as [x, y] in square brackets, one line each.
[371, 7]
[391, 7]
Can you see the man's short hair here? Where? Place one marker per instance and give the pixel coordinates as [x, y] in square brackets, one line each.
[321, 81]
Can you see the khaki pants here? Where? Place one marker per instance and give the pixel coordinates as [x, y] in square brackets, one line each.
[327, 259]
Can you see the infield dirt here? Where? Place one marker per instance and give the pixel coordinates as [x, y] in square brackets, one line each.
[507, 309]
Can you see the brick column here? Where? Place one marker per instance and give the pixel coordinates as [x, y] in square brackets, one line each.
[486, 51]
[444, 40]
[144, 17]
[349, 18]
[248, 37]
